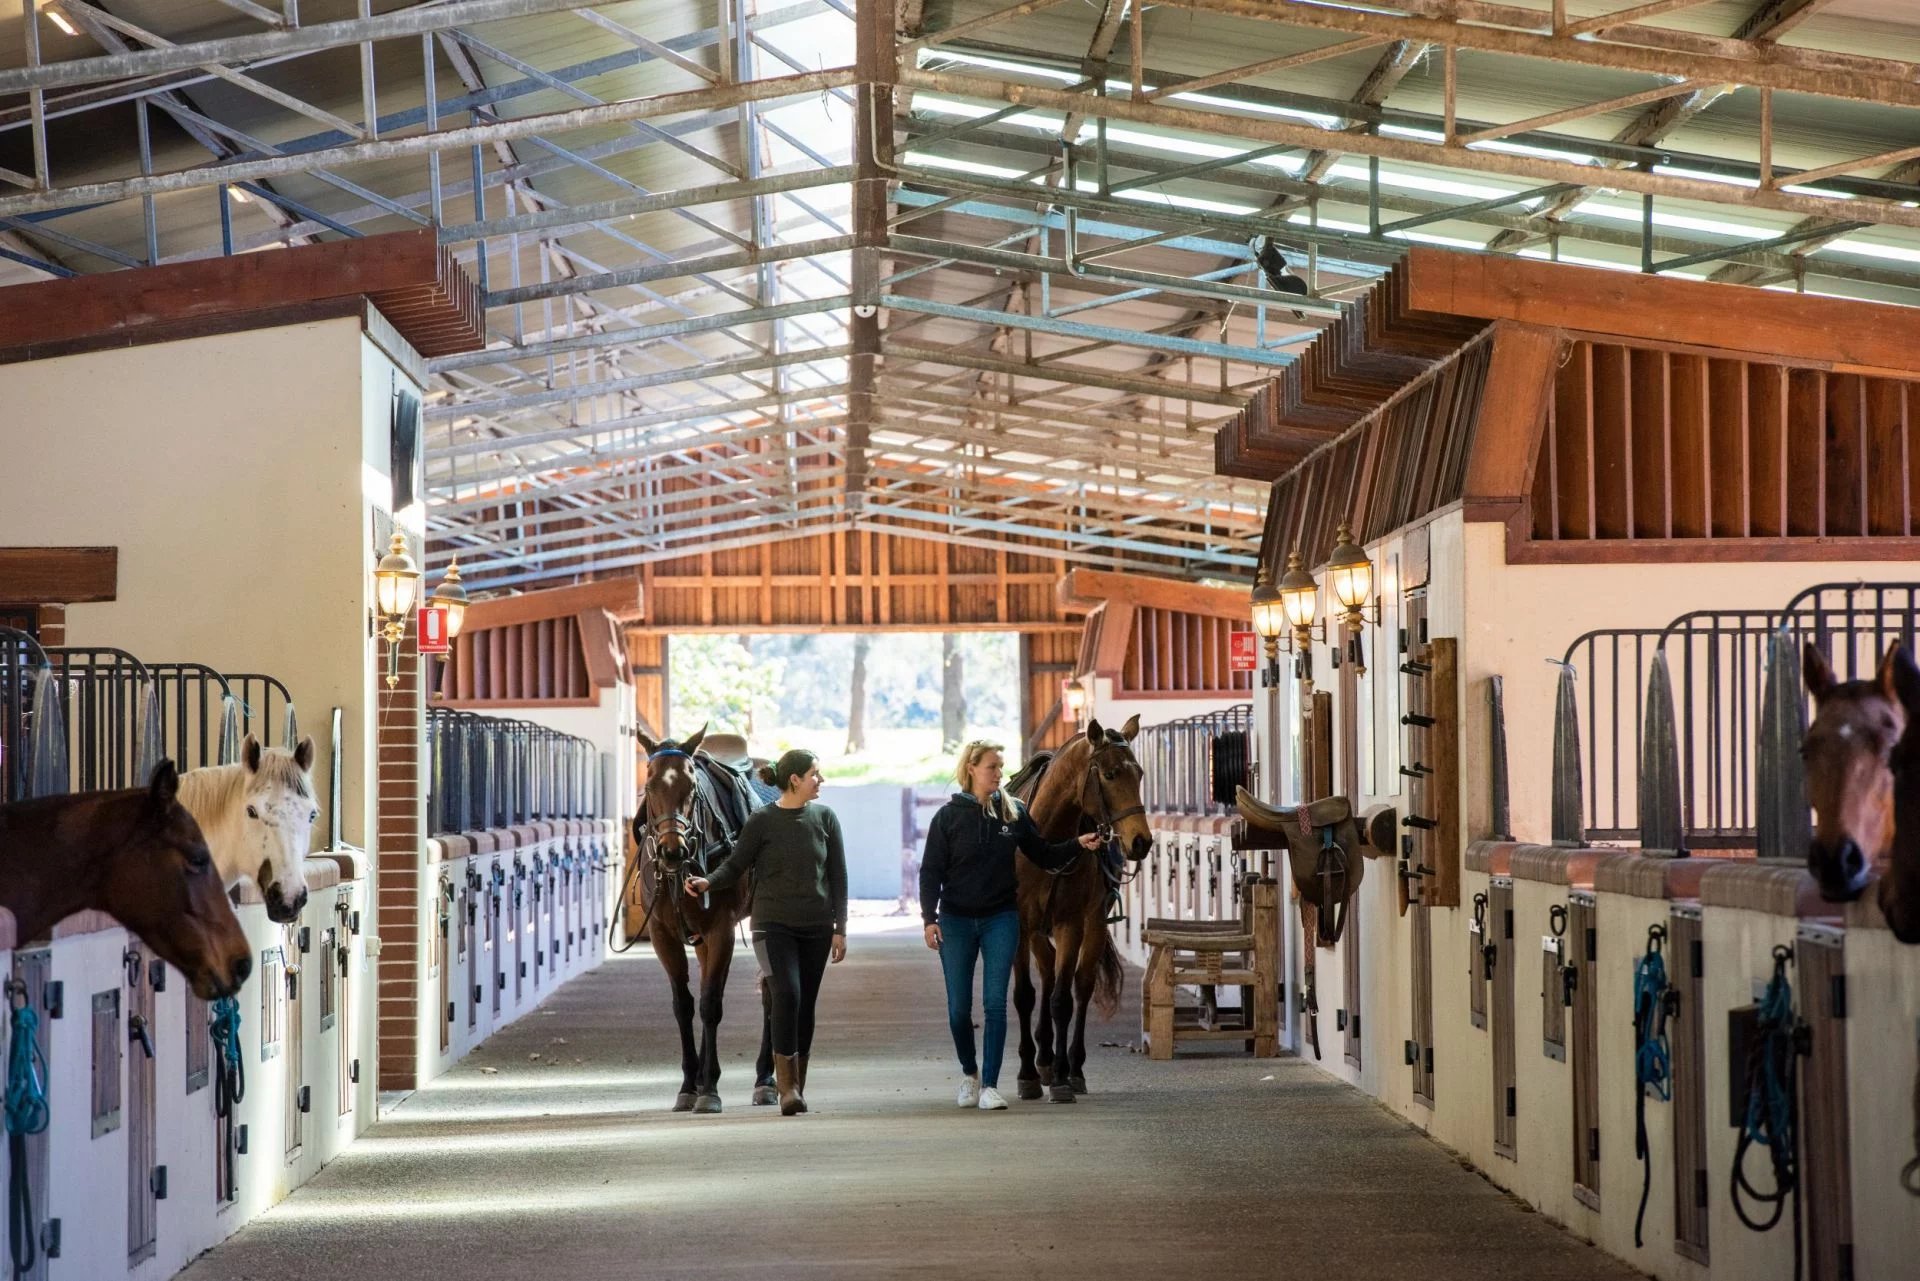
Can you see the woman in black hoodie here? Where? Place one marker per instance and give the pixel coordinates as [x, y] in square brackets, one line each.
[968, 892]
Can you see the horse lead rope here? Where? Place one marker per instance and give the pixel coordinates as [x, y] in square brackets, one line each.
[26, 1113]
[1654, 1001]
[229, 1079]
[1772, 1113]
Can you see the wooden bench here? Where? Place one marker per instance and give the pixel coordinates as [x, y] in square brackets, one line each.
[1242, 952]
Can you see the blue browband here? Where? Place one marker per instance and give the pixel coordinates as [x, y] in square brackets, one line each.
[666, 751]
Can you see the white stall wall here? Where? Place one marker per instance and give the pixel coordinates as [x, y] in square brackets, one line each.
[236, 474]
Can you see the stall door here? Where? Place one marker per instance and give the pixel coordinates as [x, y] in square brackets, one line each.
[1421, 1058]
[1506, 963]
[1582, 944]
[143, 969]
[33, 971]
[1825, 1148]
[1687, 1035]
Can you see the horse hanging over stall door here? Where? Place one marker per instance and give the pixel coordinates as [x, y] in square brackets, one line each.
[685, 827]
[1091, 784]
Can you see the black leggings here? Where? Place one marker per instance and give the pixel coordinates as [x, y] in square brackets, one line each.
[795, 965]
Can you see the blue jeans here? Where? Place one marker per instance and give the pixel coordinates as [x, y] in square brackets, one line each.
[992, 938]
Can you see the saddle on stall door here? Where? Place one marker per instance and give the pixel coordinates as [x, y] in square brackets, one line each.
[1324, 848]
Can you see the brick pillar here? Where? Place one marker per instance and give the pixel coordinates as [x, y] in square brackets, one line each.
[401, 847]
[52, 625]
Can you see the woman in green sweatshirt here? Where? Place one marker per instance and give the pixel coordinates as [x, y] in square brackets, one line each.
[799, 865]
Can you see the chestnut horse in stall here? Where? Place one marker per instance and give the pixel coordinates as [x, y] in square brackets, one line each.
[136, 855]
[683, 830]
[1862, 755]
[1092, 784]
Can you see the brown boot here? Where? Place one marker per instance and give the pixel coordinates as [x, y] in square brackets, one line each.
[790, 1103]
[800, 1079]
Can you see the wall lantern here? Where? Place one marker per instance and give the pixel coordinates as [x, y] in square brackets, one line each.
[1269, 622]
[1074, 698]
[395, 580]
[451, 596]
[1300, 599]
[1350, 580]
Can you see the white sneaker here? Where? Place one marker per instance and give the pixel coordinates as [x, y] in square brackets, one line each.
[990, 1100]
[970, 1092]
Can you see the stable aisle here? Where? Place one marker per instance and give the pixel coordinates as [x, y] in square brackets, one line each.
[550, 1153]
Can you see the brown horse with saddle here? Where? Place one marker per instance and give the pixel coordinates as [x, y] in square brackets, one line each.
[1091, 784]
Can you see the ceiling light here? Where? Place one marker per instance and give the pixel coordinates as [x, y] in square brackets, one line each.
[59, 20]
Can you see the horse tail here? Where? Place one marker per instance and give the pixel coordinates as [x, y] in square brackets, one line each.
[1110, 975]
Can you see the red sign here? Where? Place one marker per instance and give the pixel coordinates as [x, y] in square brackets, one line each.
[433, 630]
[1243, 651]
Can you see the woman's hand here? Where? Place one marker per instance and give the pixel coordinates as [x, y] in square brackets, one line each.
[933, 936]
[839, 953]
[696, 886]
[1091, 841]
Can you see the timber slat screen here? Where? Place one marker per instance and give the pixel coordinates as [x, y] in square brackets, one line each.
[1171, 651]
[541, 660]
[1687, 1036]
[1647, 443]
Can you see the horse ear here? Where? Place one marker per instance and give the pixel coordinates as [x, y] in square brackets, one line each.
[1094, 732]
[692, 745]
[1131, 728]
[1815, 669]
[1900, 679]
[646, 742]
[164, 786]
[303, 755]
[250, 754]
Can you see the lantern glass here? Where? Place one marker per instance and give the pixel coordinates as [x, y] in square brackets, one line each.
[1349, 572]
[1299, 594]
[1076, 698]
[395, 579]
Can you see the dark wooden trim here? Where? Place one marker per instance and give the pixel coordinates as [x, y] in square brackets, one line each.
[1523, 550]
[618, 596]
[413, 281]
[1081, 589]
[59, 575]
[1642, 308]
[303, 313]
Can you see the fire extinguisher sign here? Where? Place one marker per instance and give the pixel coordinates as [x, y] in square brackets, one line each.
[433, 630]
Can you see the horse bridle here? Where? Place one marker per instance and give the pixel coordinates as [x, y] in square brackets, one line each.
[1104, 825]
[683, 822]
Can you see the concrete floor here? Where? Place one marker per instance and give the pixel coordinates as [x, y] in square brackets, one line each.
[549, 1153]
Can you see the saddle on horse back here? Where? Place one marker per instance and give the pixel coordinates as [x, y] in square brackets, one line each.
[1324, 843]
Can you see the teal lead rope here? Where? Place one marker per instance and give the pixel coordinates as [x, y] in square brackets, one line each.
[1773, 1062]
[1653, 1003]
[26, 1111]
[230, 1078]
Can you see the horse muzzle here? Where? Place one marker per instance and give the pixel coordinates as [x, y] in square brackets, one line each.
[1139, 848]
[1842, 873]
[280, 909]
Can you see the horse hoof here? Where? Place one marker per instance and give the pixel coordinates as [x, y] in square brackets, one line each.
[765, 1096]
[1060, 1094]
[1079, 1084]
[1029, 1089]
[1046, 1074]
[707, 1103]
[683, 1102]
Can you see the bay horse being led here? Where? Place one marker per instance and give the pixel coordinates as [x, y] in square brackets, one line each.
[1092, 784]
[136, 855]
[685, 828]
[1862, 755]
[258, 816]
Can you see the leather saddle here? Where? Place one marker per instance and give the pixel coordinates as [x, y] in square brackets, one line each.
[1323, 851]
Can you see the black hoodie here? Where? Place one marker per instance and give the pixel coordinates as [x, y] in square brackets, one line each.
[967, 867]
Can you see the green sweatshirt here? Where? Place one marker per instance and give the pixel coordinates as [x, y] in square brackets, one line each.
[799, 868]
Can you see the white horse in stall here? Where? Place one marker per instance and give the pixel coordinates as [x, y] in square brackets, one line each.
[258, 816]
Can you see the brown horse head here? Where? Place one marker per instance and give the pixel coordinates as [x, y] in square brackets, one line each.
[161, 884]
[1110, 795]
[1848, 752]
[666, 819]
